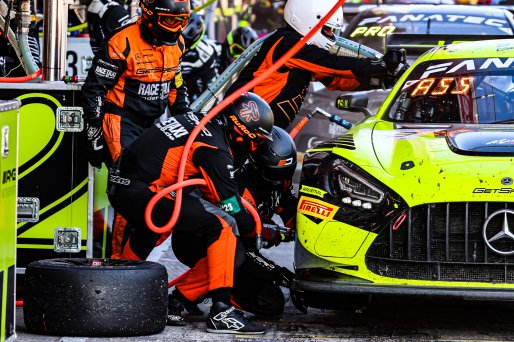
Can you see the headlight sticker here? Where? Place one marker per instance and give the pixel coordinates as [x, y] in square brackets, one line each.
[316, 208]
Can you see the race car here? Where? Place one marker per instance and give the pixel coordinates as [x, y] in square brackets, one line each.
[419, 198]
[415, 28]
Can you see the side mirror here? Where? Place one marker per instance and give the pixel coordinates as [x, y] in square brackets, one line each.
[357, 102]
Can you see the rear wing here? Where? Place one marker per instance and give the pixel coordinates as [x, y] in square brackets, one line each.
[419, 43]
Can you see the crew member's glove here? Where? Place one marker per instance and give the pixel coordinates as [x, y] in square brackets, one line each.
[95, 144]
[396, 64]
[270, 237]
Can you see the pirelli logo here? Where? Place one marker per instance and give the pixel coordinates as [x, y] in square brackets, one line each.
[316, 208]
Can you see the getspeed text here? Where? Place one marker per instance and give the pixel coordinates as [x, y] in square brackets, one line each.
[493, 191]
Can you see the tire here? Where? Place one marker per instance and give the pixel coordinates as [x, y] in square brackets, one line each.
[95, 297]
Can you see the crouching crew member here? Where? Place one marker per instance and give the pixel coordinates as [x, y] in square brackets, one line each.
[151, 162]
[266, 183]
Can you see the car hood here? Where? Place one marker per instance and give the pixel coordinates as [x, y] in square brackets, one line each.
[443, 162]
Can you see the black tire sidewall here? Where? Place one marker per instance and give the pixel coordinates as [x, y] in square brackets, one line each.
[83, 300]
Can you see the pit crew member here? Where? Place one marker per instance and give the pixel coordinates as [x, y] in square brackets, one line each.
[265, 182]
[237, 41]
[200, 61]
[151, 162]
[285, 89]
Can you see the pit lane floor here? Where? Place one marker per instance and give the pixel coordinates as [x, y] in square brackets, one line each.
[384, 319]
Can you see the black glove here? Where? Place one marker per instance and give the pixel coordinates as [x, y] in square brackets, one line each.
[392, 59]
[396, 64]
[95, 144]
[298, 301]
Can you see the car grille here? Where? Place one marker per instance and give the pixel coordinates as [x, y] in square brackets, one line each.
[444, 242]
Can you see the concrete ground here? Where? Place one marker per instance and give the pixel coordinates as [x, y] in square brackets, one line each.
[384, 319]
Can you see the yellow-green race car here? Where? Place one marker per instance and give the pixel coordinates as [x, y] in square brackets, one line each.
[419, 198]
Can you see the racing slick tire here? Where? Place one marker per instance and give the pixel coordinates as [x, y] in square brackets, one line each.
[95, 297]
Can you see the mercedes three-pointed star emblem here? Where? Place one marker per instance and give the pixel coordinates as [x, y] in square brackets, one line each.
[504, 233]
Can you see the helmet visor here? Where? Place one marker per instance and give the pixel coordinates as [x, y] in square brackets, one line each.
[173, 22]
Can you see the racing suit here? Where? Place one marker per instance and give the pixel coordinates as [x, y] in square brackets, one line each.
[151, 163]
[103, 17]
[285, 89]
[257, 281]
[199, 66]
[129, 86]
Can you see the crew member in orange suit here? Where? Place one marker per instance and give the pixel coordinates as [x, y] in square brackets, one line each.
[151, 163]
[285, 89]
[134, 77]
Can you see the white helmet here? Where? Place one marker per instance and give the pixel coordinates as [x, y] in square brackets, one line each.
[304, 15]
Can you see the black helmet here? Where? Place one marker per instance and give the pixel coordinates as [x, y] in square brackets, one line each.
[275, 160]
[240, 39]
[165, 20]
[194, 30]
[250, 122]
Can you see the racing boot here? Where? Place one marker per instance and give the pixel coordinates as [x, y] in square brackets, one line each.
[175, 309]
[226, 319]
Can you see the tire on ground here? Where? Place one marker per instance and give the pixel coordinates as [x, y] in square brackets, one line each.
[95, 297]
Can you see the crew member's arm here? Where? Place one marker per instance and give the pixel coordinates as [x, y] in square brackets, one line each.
[209, 70]
[287, 206]
[106, 69]
[351, 72]
[217, 170]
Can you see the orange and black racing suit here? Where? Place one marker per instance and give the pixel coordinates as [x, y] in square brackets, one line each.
[285, 89]
[257, 281]
[151, 163]
[129, 86]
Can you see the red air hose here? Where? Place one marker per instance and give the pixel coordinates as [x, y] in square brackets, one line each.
[21, 79]
[216, 110]
[196, 181]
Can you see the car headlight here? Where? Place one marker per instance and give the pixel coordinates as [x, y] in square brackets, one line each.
[350, 184]
[354, 187]
[363, 201]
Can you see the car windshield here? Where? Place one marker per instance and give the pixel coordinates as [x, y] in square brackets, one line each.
[457, 91]
[372, 27]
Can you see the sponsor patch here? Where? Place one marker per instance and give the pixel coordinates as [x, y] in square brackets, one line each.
[316, 208]
[105, 73]
[312, 191]
[172, 128]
